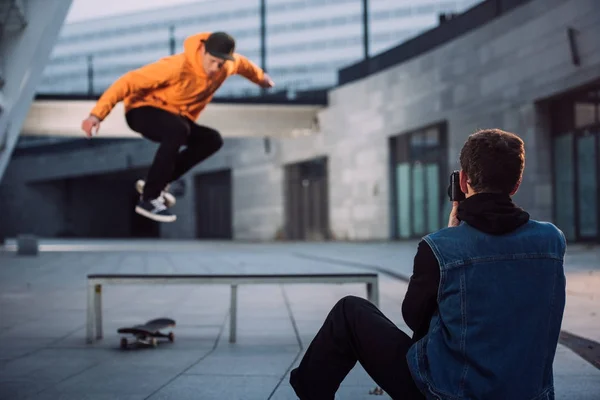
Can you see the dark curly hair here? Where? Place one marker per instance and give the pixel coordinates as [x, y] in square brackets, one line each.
[493, 160]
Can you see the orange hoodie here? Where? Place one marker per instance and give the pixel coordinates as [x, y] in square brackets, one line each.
[175, 83]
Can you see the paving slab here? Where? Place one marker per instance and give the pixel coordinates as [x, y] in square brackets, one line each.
[43, 308]
[212, 387]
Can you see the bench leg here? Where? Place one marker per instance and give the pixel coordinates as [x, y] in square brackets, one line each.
[373, 292]
[98, 310]
[90, 314]
[233, 314]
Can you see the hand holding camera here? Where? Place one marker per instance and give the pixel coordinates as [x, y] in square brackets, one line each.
[454, 191]
[456, 195]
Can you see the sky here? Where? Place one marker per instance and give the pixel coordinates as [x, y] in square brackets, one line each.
[82, 10]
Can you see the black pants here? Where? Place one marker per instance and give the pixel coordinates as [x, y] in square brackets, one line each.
[172, 132]
[355, 330]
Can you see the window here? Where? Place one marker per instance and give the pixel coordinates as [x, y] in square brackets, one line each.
[419, 181]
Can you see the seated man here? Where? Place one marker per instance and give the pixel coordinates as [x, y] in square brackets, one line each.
[485, 301]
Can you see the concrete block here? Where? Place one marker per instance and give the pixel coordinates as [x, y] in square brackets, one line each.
[27, 245]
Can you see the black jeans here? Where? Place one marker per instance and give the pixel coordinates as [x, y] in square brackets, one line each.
[171, 131]
[355, 330]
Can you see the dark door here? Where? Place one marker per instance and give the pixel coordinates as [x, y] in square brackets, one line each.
[214, 205]
[307, 210]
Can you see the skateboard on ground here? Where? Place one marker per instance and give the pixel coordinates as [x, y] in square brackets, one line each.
[147, 333]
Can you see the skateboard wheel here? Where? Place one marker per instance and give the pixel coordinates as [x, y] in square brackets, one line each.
[123, 343]
[171, 337]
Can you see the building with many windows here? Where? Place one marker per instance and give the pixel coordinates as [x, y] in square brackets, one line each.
[307, 41]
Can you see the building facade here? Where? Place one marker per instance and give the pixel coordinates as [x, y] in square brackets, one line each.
[307, 41]
[389, 139]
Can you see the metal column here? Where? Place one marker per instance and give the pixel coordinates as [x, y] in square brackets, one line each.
[90, 72]
[233, 314]
[263, 34]
[172, 39]
[365, 5]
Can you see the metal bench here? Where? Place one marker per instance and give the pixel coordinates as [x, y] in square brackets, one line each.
[95, 282]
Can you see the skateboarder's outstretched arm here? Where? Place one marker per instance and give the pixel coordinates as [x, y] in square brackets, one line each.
[148, 77]
[250, 71]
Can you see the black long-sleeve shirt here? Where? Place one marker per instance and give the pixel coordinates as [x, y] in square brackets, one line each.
[420, 301]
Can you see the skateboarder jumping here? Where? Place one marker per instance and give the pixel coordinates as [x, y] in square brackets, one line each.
[163, 99]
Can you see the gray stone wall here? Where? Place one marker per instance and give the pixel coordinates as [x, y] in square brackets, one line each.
[493, 77]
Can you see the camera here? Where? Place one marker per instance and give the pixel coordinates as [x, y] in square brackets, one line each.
[454, 191]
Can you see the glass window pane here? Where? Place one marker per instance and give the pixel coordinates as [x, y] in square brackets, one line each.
[433, 197]
[403, 199]
[417, 138]
[587, 188]
[418, 198]
[417, 144]
[564, 185]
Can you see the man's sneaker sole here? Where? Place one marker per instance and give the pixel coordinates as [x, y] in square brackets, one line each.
[169, 198]
[155, 217]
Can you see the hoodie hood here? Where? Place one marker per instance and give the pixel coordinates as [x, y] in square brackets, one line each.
[192, 53]
[492, 213]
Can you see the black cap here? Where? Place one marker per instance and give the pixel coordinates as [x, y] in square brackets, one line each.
[221, 45]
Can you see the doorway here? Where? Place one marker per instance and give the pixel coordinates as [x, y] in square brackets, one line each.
[419, 178]
[307, 200]
[576, 162]
[213, 203]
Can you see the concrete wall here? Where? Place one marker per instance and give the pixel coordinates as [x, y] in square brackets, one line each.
[494, 77]
[257, 191]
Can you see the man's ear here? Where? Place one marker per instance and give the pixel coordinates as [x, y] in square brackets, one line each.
[516, 188]
[463, 181]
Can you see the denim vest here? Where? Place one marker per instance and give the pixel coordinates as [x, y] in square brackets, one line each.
[500, 307]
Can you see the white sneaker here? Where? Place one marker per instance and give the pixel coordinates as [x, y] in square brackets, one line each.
[155, 210]
[168, 197]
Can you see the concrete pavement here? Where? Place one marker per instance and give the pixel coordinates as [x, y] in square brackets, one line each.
[43, 354]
